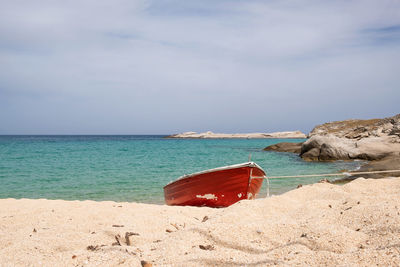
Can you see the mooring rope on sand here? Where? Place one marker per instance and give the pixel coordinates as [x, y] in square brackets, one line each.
[330, 174]
[321, 175]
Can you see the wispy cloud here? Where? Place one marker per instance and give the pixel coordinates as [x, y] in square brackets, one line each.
[388, 35]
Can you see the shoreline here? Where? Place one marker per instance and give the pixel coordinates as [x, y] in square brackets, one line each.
[351, 224]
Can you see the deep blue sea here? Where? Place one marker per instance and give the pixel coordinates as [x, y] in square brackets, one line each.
[134, 168]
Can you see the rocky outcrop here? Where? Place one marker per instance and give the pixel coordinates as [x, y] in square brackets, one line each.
[211, 135]
[326, 148]
[285, 147]
[353, 139]
[375, 140]
[329, 147]
[358, 129]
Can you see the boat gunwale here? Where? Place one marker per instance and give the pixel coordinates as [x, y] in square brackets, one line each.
[228, 167]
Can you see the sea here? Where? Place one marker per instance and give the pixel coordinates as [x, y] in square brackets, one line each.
[134, 168]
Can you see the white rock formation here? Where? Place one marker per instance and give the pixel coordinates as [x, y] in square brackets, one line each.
[211, 135]
[330, 147]
[353, 139]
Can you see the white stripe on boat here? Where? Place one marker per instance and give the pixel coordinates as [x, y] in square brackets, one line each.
[235, 166]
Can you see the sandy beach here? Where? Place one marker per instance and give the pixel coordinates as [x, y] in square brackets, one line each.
[319, 224]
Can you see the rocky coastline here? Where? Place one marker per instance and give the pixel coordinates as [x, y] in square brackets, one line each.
[375, 140]
[211, 135]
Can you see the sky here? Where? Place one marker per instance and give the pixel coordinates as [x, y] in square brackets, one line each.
[170, 66]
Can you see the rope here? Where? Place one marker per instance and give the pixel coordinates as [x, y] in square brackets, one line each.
[331, 174]
[320, 175]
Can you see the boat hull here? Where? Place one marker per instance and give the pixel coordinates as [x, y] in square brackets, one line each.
[216, 188]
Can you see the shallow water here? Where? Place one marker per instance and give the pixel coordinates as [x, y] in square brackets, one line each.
[134, 168]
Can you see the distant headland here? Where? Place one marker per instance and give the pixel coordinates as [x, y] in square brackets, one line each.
[211, 135]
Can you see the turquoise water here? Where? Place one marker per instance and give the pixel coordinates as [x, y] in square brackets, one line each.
[134, 168]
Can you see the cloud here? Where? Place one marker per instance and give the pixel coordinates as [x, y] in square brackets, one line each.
[167, 66]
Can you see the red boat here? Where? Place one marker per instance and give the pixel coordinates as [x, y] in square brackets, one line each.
[220, 187]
